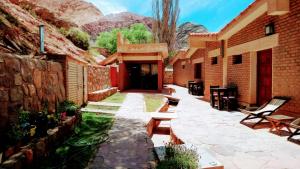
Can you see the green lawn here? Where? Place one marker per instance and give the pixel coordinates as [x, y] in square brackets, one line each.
[153, 102]
[116, 98]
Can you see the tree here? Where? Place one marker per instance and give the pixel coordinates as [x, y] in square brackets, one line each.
[77, 36]
[136, 34]
[165, 17]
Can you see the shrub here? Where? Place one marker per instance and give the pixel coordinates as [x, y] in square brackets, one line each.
[77, 36]
[179, 157]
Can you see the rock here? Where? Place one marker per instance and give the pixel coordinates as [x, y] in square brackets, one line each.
[3, 114]
[37, 78]
[18, 79]
[16, 94]
[4, 95]
[28, 103]
[25, 89]
[53, 78]
[13, 65]
[32, 90]
[26, 73]
[6, 80]
[54, 67]
[183, 32]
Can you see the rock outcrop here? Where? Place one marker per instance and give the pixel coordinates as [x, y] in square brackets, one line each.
[120, 20]
[19, 32]
[75, 12]
[183, 32]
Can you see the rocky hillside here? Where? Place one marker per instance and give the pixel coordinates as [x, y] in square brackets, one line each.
[120, 20]
[19, 33]
[183, 32]
[76, 12]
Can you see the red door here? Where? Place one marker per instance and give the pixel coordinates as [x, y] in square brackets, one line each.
[114, 76]
[264, 76]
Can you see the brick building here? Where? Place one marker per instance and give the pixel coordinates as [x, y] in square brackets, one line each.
[140, 65]
[259, 51]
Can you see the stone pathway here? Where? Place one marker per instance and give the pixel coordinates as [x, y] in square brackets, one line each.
[234, 145]
[129, 147]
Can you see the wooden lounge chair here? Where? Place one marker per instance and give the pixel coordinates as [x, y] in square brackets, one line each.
[296, 125]
[172, 100]
[265, 110]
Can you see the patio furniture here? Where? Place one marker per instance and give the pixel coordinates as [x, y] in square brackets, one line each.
[265, 110]
[216, 95]
[212, 95]
[190, 87]
[296, 125]
[280, 121]
[229, 100]
[198, 88]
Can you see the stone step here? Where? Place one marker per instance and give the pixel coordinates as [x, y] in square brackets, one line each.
[105, 104]
[91, 110]
[102, 107]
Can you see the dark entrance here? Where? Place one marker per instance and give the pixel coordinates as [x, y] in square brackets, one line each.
[264, 76]
[142, 76]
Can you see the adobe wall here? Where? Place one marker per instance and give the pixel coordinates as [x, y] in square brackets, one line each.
[28, 83]
[286, 56]
[98, 78]
[168, 77]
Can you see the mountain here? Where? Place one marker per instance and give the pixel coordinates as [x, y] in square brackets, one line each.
[183, 32]
[19, 33]
[75, 12]
[119, 20]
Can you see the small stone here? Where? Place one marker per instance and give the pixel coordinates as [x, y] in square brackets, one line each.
[26, 73]
[32, 90]
[18, 79]
[16, 94]
[4, 95]
[25, 89]
[37, 79]
[27, 103]
[3, 114]
[13, 64]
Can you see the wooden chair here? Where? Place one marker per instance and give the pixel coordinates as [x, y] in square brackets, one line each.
[296, 125]
[229, 100]
[265, 110]
[213, 96]
[190, 87]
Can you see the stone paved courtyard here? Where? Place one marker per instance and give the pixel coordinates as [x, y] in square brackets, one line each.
[233, 144]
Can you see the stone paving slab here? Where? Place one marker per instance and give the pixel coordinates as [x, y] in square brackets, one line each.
[236, 146]
[92, 110]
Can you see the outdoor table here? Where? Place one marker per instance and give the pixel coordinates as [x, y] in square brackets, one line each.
[220, 91]
[280, 121]
[192, 85]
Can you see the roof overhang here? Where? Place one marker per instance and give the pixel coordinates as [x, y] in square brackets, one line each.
[144, 48]
[179, 55]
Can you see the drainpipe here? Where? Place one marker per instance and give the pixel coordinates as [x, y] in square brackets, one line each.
[42, 45]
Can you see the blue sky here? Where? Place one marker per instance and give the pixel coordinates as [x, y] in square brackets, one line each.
[213, 14]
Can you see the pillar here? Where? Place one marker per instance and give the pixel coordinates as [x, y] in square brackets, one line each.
[122, 69]
[160, 75]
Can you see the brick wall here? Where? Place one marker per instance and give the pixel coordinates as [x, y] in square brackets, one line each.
[239, 74]
[286, 56]
[182, 76]
[213, 73]
[28, 83]
[98, 78]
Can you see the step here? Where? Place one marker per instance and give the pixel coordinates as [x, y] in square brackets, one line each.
[105, 104]
[91, 110]
[102, 107]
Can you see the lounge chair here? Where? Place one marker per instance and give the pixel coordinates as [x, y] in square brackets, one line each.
[172, 100]
[296, 125]
[265, 110]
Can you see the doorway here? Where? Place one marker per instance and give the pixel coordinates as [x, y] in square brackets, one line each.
[264, 76]
[142, 76]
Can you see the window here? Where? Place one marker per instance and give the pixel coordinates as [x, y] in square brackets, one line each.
[237, 59]
[198, 70]
[214, 60]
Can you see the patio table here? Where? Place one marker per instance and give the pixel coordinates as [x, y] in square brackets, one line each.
[280, 121]
[220, 92]
[191, 85]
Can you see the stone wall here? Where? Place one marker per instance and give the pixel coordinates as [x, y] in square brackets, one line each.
[168, 77]
[28, 83]
[98, 78]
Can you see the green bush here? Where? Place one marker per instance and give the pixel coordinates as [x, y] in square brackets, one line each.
[77, 36]
[136, 34]
[179, 157]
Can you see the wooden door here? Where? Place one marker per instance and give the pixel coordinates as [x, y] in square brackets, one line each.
[264, 76]
[75, 83]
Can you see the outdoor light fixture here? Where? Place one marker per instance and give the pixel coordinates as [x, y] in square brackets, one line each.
[270, 29]
[42, 30]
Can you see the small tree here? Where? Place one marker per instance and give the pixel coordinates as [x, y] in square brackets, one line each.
[136, 34]
[165, 17]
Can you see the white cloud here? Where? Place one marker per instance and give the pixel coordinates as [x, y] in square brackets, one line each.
[109, 6]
